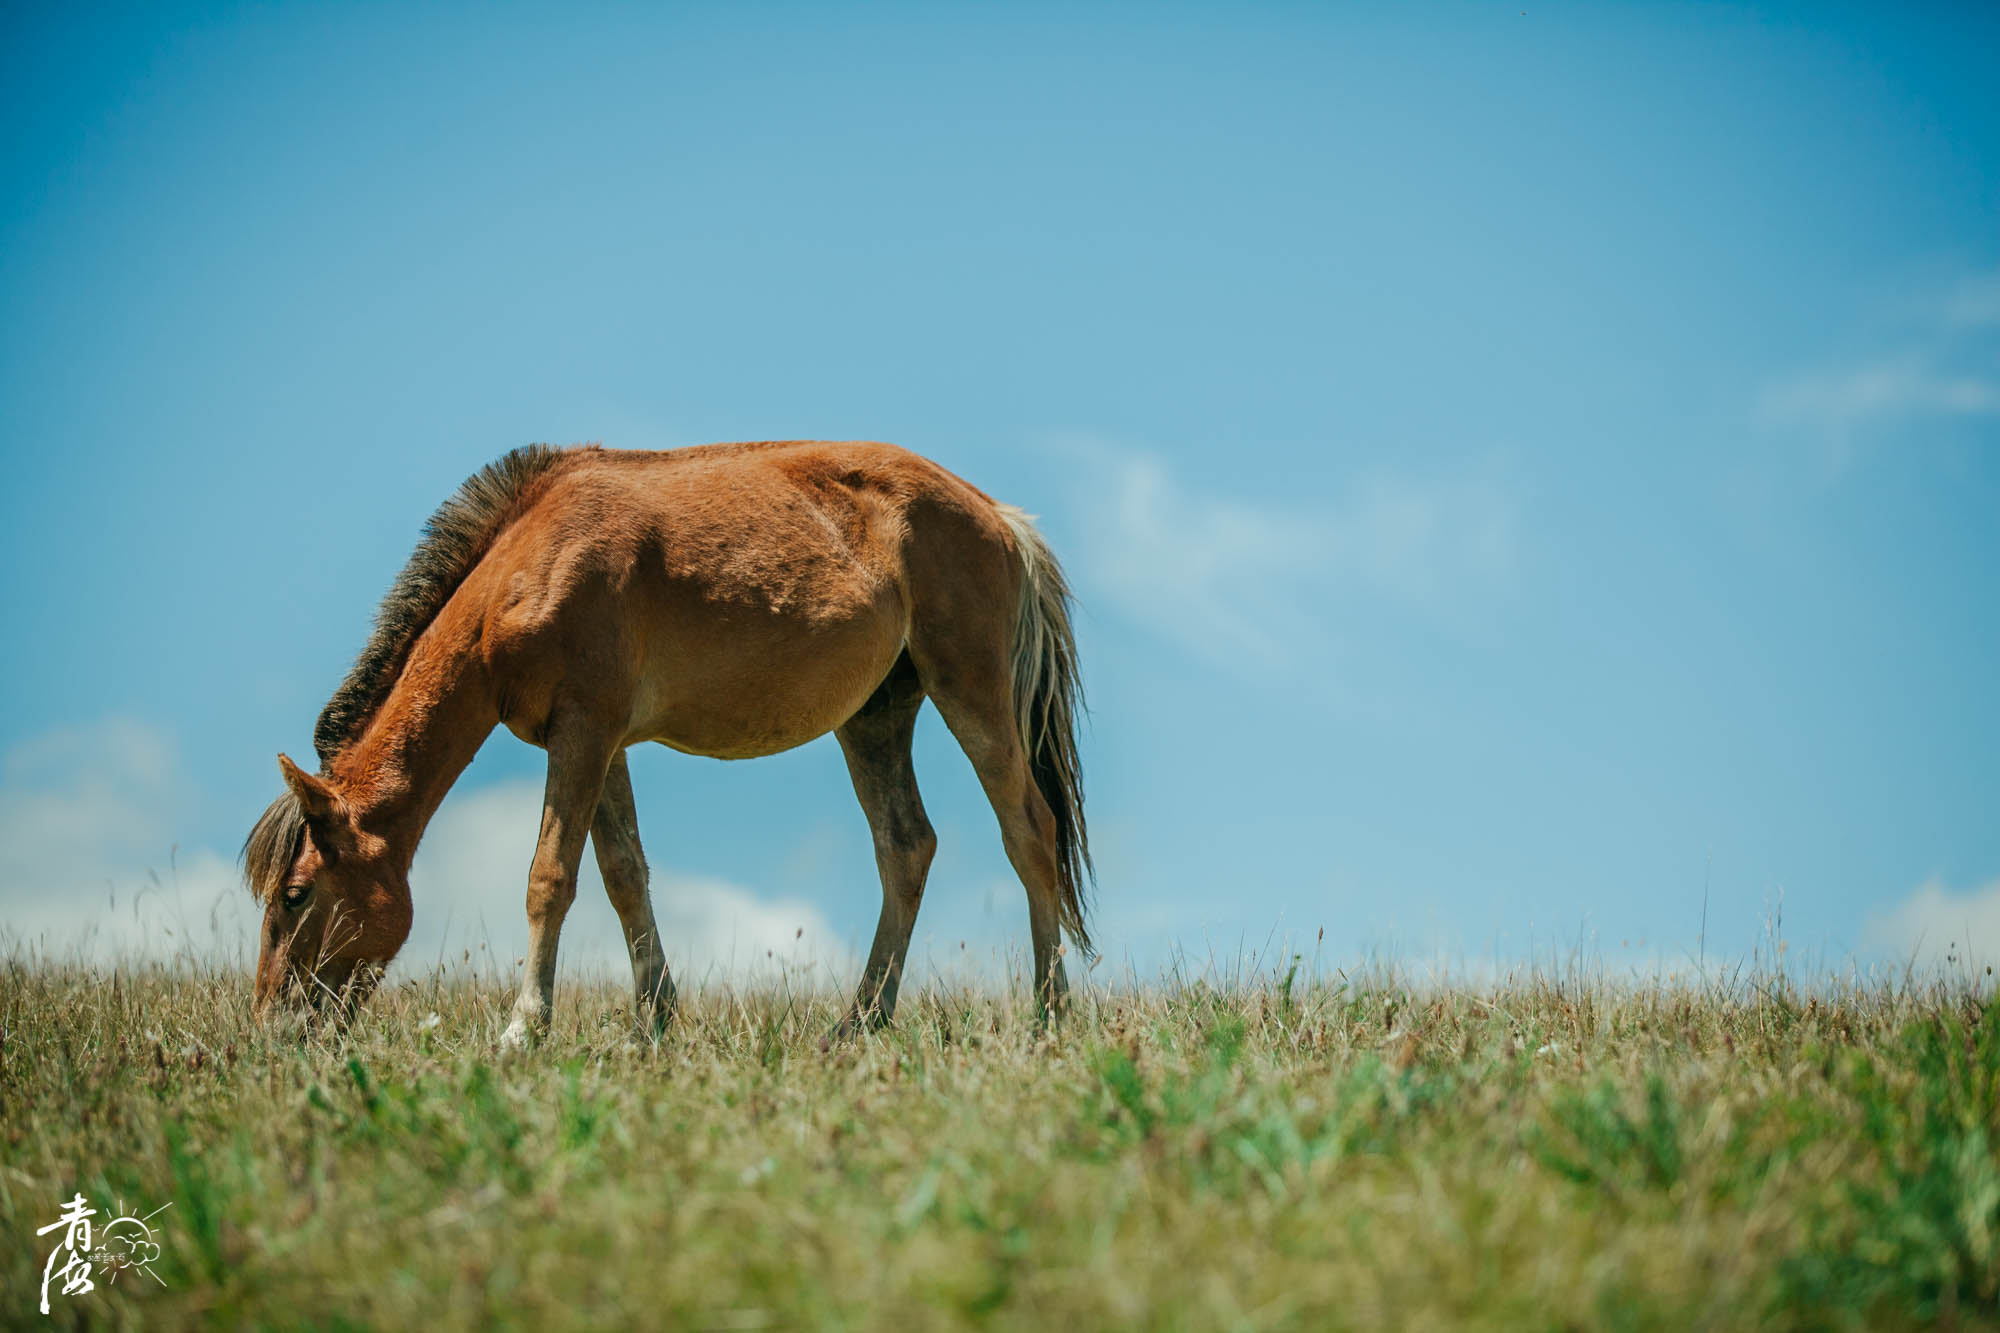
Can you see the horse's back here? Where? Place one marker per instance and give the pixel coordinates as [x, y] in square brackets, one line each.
[735, 599]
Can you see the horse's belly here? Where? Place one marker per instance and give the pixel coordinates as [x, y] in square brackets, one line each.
[744, 695]
[739, 746]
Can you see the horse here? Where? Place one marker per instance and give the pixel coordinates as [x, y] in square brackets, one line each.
[729, 600]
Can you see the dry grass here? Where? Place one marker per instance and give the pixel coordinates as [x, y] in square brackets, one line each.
[1279, 1152]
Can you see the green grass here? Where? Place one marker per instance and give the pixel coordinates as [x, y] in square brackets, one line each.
[1291, 1152]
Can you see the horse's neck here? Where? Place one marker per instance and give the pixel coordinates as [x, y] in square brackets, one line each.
[435, 718]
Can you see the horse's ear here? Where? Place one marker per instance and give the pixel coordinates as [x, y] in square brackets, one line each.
[324, 809]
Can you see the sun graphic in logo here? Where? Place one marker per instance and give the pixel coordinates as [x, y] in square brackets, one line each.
[126, 1243]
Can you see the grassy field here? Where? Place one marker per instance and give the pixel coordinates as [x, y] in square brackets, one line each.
[1281, 1152]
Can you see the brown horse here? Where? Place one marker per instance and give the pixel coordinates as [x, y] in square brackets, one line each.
[733, 600]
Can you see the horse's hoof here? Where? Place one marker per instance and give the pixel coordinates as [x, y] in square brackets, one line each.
[850, 1027]
[517, 1038]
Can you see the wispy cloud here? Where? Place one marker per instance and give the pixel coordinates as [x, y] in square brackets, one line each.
[88, 867]
[1973, 302]
[1257, 584]
[87, 857]
[1938, 926]
[1946, 364]
[1877, 393]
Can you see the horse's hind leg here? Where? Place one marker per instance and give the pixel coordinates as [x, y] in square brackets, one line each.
[876, 741]
[979, 709]
[579, 757]
[614, 836]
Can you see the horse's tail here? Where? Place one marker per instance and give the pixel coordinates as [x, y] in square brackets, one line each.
[1048, 698]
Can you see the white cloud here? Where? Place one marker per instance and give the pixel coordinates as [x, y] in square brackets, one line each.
[1974, 302]
[87, 859]
[88, 867]
[1253, 585]
[1937, 926]
[1945, 364]
[1891, 390]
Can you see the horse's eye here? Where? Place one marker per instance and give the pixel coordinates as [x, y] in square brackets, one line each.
[296, 895]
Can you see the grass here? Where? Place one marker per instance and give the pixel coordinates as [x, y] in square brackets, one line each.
[1311, 1152]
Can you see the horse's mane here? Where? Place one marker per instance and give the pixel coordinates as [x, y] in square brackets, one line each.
[455, 539]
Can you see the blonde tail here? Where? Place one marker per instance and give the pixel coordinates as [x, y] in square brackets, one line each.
[1048, 699]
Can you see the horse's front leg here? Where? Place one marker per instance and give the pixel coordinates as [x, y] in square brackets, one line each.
[615, 837]
[578, 759]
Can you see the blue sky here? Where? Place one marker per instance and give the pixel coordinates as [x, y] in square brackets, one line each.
[1526, 474]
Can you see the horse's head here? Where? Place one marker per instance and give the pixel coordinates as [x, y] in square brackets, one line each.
[336, 906]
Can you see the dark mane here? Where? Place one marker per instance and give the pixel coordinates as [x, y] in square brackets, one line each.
[454, 540]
